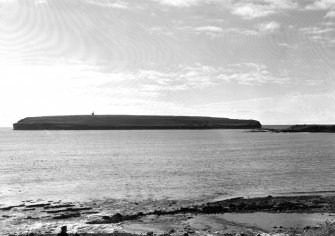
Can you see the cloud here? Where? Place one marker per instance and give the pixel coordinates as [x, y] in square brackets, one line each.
[201, 76]
[215, 31]
[155, 83]
[179, 3]
[286, 45]
[316, 30]
[110, 3]
[330, 14]
[271, 26]
[252, 74]
[323, 34]
[160, 31]
[209, 28]
[37, 2]
[321, 5]
[7, 1]
[187, 3]
[249, 9]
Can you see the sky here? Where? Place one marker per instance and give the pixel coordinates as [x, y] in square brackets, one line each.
[269, 60]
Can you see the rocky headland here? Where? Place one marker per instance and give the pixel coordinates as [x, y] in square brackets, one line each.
[129, 122]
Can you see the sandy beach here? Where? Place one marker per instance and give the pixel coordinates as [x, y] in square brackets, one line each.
[281, 215]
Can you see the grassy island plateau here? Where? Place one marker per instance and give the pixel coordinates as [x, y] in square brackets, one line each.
[129, 122]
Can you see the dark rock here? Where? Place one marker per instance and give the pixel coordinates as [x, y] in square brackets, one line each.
[232, 207]
[110, 219]
[79, 208]
[55, 211]
[69, 209]
[283, 206]
[116, 218]
[66, 216]
[139, 214]
[172, 231]
[234, 199]
[11, 207]
[29, 209]
[157, 212]
[212, 209]
[307, 227]
[32, 218]
[97, 222]
[6, 208]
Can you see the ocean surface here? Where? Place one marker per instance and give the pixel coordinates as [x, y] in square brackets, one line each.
[162, 164]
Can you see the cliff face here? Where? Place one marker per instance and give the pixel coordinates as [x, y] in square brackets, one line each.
[115, 122]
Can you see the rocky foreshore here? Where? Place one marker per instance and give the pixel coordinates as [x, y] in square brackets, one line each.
[159, 217]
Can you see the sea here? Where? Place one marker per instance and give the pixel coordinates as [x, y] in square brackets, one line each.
[162, 164]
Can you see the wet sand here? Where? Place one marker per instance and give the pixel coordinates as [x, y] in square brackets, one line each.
[262, 215]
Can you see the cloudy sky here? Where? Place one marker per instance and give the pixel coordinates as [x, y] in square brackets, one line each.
[271, 60]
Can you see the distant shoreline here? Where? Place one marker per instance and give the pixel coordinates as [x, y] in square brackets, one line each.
[299, 128]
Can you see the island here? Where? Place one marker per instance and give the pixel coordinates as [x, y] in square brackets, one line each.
[131, 122]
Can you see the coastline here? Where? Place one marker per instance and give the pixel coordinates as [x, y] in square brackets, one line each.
[262, 215]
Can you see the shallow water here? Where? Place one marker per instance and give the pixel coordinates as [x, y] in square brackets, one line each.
[270, 221]
[158, 164]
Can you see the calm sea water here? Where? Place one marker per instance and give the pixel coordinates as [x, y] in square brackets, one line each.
[156, 164]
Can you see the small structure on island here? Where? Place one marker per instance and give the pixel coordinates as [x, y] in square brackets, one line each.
[93, 113]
